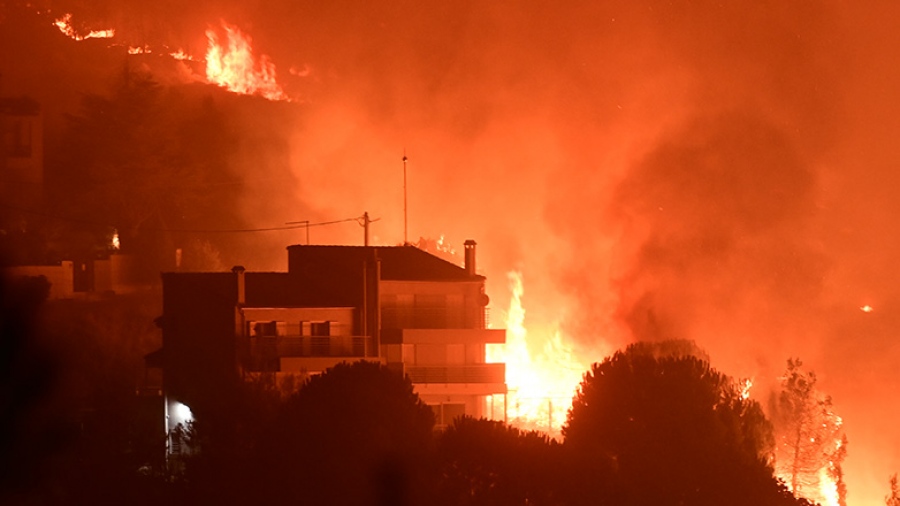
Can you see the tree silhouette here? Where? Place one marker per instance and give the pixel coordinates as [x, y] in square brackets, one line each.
[484, 462]
[651, 425]
[811, 441]
[355, 434]
[141, 159]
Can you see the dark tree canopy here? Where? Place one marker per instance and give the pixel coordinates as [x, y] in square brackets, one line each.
[355, 434]
[142, 159]
[484, 462]
[666, 428]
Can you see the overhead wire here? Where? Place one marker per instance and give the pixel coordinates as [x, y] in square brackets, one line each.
[288, 226]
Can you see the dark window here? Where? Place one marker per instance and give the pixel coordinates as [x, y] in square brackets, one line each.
[320, 328]
[266, 329]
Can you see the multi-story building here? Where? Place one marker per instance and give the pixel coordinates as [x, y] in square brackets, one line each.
[398, 305]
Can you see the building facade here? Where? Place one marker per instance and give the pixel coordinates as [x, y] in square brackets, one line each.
[416, 313]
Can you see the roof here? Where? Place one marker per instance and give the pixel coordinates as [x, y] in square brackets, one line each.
[398, 263]
[318, 276]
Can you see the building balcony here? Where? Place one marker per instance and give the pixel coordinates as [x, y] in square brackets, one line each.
[443, 336]
[468, 373]
[310, 346]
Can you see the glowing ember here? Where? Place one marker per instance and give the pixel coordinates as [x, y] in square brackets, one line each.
[235, 68]
[540, 386]
[65, 26]
[138, 50]
[866, 309]
[114, 241]
[181, 55]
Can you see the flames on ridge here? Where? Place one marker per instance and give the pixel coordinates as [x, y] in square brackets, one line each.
[64, 24]
[230, 61]
[233, 66]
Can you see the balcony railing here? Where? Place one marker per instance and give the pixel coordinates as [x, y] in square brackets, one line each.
[471, 373]
[310, 346]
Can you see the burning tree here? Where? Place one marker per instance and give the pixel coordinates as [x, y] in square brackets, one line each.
[812, 444]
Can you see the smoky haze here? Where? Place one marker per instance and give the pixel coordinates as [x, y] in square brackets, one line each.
[723, 172]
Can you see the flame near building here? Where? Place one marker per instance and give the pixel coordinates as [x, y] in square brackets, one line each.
[542, 383]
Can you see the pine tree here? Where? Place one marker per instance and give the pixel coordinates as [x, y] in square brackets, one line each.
[811, 444]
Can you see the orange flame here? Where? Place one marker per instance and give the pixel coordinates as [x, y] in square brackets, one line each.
[540, 385]
[181, 55]
[235, 68]
[65, 26]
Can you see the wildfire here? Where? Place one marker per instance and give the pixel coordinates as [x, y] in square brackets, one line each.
[65, 26]
[235, 68]
[746, 385]
[540, 386]
[181, 55]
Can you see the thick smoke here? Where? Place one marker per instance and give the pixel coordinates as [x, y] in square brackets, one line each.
[715, 171]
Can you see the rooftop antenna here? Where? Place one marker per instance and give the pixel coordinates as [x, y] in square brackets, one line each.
[301, 222]
[405, 241]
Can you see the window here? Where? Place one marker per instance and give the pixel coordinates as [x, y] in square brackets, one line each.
[262, 329]
[320, 328]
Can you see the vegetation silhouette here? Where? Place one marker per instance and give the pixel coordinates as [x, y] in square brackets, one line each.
[655, 425]
[355, 434]
[485, 462]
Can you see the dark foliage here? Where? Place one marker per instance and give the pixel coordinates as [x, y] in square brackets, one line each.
[142, 159]
[356, 434]
[484, 462]
[656, 429]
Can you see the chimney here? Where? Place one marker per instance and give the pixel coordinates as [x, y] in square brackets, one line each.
[241, 294]
[470, 257]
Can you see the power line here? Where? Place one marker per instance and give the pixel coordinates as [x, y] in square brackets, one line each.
[288, 226]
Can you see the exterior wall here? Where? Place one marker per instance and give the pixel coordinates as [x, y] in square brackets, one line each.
[434, 333]
[294, 340]
[198, 329]
[61, 277]
[114, 274]
[431, 304]
[341, 319]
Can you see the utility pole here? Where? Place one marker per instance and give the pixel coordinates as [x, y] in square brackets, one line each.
[405, 239]
[366, 228]
[364, 223]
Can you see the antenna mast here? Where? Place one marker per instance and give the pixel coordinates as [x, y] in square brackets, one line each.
[405, 241]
